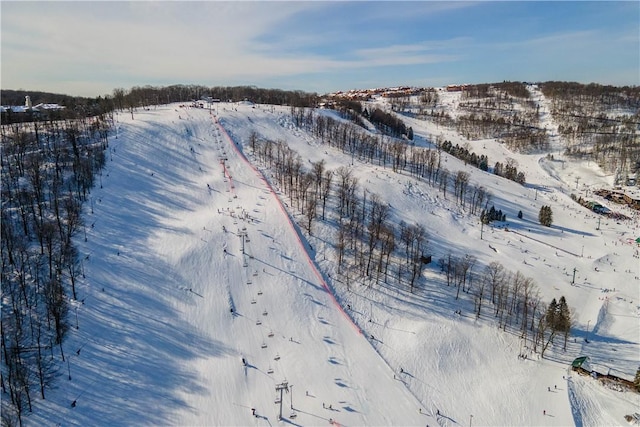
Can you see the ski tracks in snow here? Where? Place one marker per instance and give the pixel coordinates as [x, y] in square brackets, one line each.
[292, 226]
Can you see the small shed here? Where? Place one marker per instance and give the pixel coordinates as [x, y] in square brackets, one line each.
[580, 364]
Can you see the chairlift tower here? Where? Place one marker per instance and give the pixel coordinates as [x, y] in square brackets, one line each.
[284, 386]
[243, 235]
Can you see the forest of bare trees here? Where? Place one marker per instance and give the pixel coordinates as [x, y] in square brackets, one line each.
[366, 242]
[370, 248]
[504, 111]
[48, 171]
[422, 163]
[599, 123]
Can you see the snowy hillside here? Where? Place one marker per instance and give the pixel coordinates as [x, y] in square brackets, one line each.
[157, 342]
[194, 262]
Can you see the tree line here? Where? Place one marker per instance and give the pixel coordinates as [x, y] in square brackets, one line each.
[511, 299]
[145, 96]
[389, 124]
[366, 242]
[422, 163]
[48, 171]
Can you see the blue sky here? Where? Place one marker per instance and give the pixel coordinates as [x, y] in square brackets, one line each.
[90, 48]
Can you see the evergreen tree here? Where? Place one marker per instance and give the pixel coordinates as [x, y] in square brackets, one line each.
[558, 320]
[549, 325]
[545, 216]
[520, 214]
[546, 331]
[636, 381]
[563, 322]
[483, 163]
[552, 310]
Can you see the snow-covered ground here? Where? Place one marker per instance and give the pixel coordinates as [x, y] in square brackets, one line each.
[157, 342]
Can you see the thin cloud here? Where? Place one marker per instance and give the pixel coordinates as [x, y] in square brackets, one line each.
[163, 47]
[68, 46]
[146, 41]
[425, 46]
[411, 10]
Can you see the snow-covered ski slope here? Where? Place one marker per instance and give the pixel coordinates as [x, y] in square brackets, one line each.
[157, 341]
[158, 344]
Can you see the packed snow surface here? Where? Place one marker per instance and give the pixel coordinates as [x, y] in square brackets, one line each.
[202, 296]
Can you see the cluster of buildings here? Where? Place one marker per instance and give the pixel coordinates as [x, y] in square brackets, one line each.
[388, 92]
[457, 88]
[627, 197]
[28, 112]
[391, 92]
